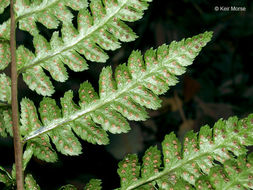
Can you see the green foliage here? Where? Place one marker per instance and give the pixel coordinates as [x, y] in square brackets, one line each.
[68, 187]
[49, 13]
[3, 5]
[5, 93]
[95, 33]
[5, 177]
[212, 159]
[30, 183]
[94, 184]
[27, 155]
[4, 48]
[136, 85]
[5, 100]
[235, 174]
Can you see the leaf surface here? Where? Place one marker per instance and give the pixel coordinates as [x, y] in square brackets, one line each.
[30, 183]
[122, 95]
[94, 184]
[126, 94]
[193, 164]
[101, 28]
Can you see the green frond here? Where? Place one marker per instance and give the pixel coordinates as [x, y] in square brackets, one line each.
[68, 187]
[5, 54]
[47, 12]
[35, 77]
[5, 31]
[5, 177]
[94, 184]
[5, 109]
[3, 5]
[5, 122]
[30, 183]
[63, 138]
[234, 174]
[125, 94]
[98, 30]
[41, 146]
[4, 42]
[211, 159]
[27, 155]
[5, 93]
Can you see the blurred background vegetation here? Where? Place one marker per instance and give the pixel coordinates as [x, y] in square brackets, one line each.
[219, 84]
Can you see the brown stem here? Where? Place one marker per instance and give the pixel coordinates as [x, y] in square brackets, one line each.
[18, 150]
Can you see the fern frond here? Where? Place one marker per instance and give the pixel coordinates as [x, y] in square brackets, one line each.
[5, 31]
[5, 177]
[196, 161]
[4, 43]
[234, 174]
[94, 184]
[136, 86]
[5, 87]
[5, 109]
[5, 122]
[10, 180]
[97, 32]
[27, 155]
[29, 121]
[30, 183]
[68, 187]
[3, 5]
[47, 12]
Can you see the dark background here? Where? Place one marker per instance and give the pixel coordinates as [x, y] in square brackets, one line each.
[219, 84]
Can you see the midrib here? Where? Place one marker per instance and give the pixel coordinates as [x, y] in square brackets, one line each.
[100, 103]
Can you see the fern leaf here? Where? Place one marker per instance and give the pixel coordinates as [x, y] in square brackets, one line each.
[84, 127]
[151, 162]
[3, 5]
[4, 41]
[5, 111]
[124, 97]
[5, 177]
[96, 33]
[5, 93]
[29, 121]
[30, 183]
[5, 31]
[234, 174]
[4, 53]
[27, 155]
[63, 138]
[68, 187]
[47, 12]
[194, 162]
[5, 122]
[128, 94]
[94, 184]
[129, 170]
